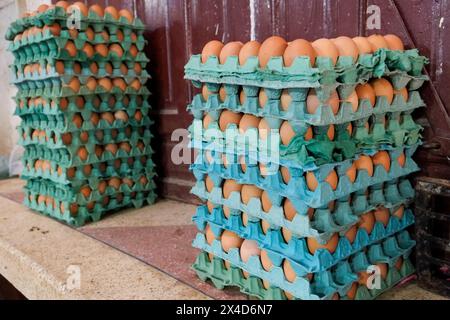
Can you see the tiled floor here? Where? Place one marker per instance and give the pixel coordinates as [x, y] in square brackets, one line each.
[160, 236]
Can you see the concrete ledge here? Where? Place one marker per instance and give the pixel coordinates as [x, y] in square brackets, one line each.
[41, 257]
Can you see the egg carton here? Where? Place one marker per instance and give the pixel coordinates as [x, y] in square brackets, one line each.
[297, 189]
[326, 221]
[73, 193]
[60, 16]
[90, 174]
[388, 251]
[296, 248]
[51, 106]
[297, 112]
[80, 40]
[69, 156]
[84, 214]
[222, 277]
[302, 75]
[48, 69]
[36, 80]
[401, 131]
[64, 122]
[54, 139]
[54, 48]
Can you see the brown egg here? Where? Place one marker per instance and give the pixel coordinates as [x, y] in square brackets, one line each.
[117, 49]
[394, 42]
[249, 248]
[101, 49]
[271, 47]
[138, 116]
[78, 6]
[364, 46]
[119, 83]
[367, 221]
[287, 133]
[230, 186]
[351, 233]
[312, 182]
[137, 68]
[365, 91]
[365, 163]
[377, 42]
[403, 92]
[86, 191]
[108, 68]
[229, 50]
[212, 48]
[228, 117]
[351, 173]
[95, 118]
[84, 136]
[209, 235]
[112, 11]
[346, 47]
[299, 48]
[248, 121]
[93, 67]
[265, 261]
[91, 83]
[382, 158]
[133, 51]
[383, 270]
[76, 68]
[123, 69]
[82, 153]
[230, 240]
[289, 210]
[331, 132]
[115, 183]
[105, 83]
[108, 117]
[105, 35]
[326, 48]
[314, 245]
[289, 272]
[66, 138]
[73, 33]
[42, 8]
[399, 212]
[55, 29]
[250, 191]
[399, 263]
[90, 34]
[353, 99]
[88, 49]
[97, 9]
[351, 293]
[127, 15]
[265, 201]
[402, 159]
[71, 49]
[209, 184]
[383, 87]
[382, 214]
[285, 175]
[250, 49]
[77, 120]
[312, 102]
[111, 147]
[136, 84]
[121, 115]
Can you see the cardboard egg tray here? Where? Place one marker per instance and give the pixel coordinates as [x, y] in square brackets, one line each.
[59, 15]
[296, 250]
[325, 222]
[402, 67]
[401, 131]
[297, 112]
[337, 276]
[222, 277]
[297, 189]
[85, 214]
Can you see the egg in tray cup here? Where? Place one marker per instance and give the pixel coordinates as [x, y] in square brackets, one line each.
[302, 156]
[83, 104]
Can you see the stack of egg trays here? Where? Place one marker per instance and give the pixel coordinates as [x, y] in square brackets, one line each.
[47, 160]
[390, 189]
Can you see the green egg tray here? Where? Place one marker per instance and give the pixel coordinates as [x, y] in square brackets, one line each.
[221, 277]
[84, 215]
[59, 15]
